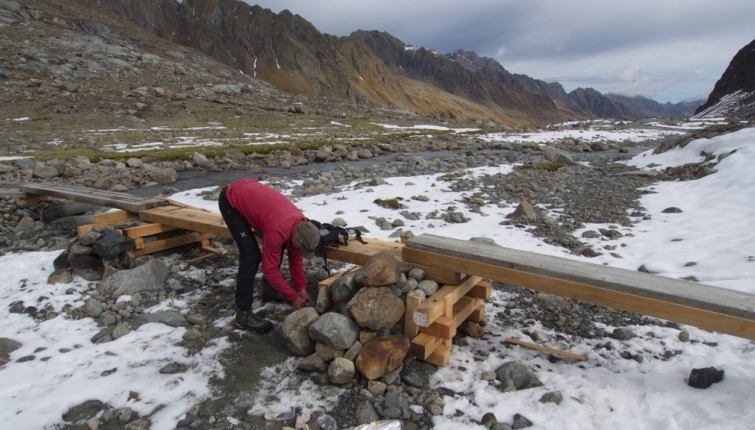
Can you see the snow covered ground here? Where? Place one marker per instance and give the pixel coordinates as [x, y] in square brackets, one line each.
[714, 230]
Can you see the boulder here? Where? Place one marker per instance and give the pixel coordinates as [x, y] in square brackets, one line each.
[60, 276]
[111, 245]
[334, 330]
[524, 210]
[516, 375]
[381, 356]
[558, 156]
[63, 209]
[324, 300]
[381, 269]
[296, 331]
[376, 308]
[88, 266]
[150, 276]
[344, 288]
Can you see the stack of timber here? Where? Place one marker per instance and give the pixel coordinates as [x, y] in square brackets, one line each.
[150, 237]
[433, 323]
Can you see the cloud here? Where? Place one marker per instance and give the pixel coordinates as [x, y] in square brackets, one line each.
[628, 73]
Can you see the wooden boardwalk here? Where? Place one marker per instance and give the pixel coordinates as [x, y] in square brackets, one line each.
[459, 266]
[705, 306]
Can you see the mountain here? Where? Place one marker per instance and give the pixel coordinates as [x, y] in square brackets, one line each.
[367, 67]
[734, 93]
[644, 107]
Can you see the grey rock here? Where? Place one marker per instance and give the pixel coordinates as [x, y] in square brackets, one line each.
[324, 300]
[417, 274]
[192, 334]
[341, 371]
[173, 368]
[150, 276]
[111, 245]
[352, 353]
[94, 308]
[334, 330]
[672, 210]
[365, 413]
[552, 397]
[394, 399]
[295, 331]
[428, 287]
[200, 160]
[558, 156]
[84, 410]
[60, 276]
[89, 267]
[120, 331]
[488, 420]
[705, 377]
[623, 334]
[312, 363]
[411, 377]
[518, 375]
[525, 211]
[46, 172]
[520, 422]
[8, 345]
[344, 288]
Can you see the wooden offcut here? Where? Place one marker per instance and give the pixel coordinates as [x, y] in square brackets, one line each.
[91, 196]
[704, 306]
[546, 349]
[423, 345]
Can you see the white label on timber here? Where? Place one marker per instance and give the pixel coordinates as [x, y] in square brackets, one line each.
[420, 319]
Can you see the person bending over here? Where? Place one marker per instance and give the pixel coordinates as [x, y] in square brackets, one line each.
[248, 208]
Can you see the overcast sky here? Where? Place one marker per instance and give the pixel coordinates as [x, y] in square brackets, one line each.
[668, 50]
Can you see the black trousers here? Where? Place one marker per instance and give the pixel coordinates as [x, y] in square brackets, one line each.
[249, 252]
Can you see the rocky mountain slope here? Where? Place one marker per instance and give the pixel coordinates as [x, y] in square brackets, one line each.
[734, 94]
[291, 54]
[644, 107]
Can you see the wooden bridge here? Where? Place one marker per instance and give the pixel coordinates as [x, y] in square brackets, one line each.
[460, 266]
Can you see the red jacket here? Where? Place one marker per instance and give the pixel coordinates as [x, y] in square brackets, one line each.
[271, 212]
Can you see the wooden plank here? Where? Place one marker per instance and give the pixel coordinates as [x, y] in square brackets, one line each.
[172, 242]
[147, 230]
[423, 345]
[106, 218]
[435, 305]
[445, 327]
[410, 329]
[187, 218]
[113, 217]
[441, 356]
[328, 282]
[706, 307]
[482, 290]
[113, 199]
[478, 314]
[546, 349]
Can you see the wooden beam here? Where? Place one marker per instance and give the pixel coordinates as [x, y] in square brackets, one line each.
[441, 356]
[113, 199]
[106, 218]
[423, 345]
[546, 349]
[478, 314]
[482, 290]
[703, 306]
[187, 218]
[171, 242]
[445, 327]
[328, 282]
[410, 329]
[444, 299]
[147, 230]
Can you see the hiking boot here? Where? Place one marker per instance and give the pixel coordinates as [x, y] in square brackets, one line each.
[246, 320]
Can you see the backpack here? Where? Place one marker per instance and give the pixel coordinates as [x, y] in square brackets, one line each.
[331, 235]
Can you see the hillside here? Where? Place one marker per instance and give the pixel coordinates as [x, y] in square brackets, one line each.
[734, 93]
[644, 107]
